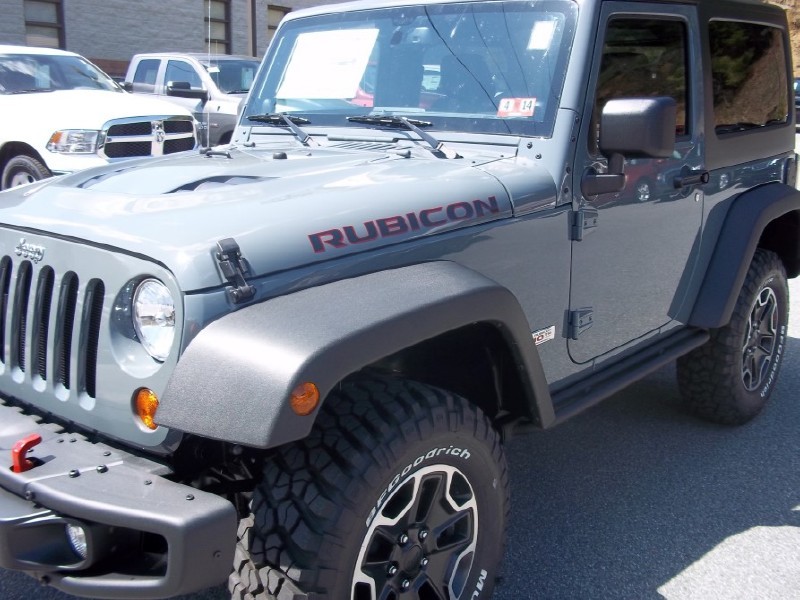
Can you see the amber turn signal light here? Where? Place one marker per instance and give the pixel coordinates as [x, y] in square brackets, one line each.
[146, 403]
[304, 399]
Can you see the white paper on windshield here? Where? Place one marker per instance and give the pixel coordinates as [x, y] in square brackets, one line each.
[327, 64]
[542, 35]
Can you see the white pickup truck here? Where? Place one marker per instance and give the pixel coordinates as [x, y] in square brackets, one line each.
[59, 113]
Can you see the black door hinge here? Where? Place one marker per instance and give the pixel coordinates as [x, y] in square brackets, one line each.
[580, 321]
[583, 221]
[234, 268]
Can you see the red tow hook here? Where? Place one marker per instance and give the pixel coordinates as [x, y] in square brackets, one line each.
[19, 461]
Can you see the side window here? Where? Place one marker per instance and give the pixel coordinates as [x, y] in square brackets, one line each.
[144, 79]
[748, 71]
[178, 70]
[643, 57]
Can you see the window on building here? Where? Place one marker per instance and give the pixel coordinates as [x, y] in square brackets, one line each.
[275, 15]
[44, 23]
[218, 26]
[749, 74]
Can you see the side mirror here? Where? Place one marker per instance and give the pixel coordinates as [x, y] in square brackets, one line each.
[631, 128]
[183, 89]
[126, 85]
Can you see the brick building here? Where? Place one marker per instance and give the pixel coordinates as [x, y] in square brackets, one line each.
[110, 32]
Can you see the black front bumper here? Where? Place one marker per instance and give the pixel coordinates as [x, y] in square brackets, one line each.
[149, 537]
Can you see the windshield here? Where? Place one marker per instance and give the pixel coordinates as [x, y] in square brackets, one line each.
[233, 76]
[30, 73]
[492, 67]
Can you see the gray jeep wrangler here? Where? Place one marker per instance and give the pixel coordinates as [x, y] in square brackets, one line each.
[292, 361]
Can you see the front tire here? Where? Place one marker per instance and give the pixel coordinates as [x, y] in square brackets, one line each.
[729, 379]
[23, 169]
[400, 491]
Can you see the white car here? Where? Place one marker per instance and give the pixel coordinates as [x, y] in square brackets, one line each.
[59, 113]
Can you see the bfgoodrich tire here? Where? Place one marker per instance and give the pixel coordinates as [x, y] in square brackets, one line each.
[400, 491]
[23, 169]
[729, 379]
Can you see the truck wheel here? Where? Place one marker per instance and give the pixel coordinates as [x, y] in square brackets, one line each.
[729, 379]
[400, 491]
[23, 169]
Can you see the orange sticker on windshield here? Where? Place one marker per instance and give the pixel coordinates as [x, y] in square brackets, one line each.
[516, 107]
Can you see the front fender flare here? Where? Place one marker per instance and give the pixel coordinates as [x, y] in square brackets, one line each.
[234, 380]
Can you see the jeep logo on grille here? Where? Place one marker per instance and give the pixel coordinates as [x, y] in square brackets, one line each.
[32, 252]
[158, 131]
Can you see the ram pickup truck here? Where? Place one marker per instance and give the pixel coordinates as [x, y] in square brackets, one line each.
[213, 87]
[59, 114]
[292, 362]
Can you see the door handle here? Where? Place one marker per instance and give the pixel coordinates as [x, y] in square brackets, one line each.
[689, 177]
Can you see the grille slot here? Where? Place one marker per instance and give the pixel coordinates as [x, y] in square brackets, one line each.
[65, 323]
[139, 128]
[124, 149]
[19, 327]
[5, 287]
[41, 327]
[90, 335]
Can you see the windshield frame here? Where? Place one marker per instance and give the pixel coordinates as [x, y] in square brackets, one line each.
[334, 112]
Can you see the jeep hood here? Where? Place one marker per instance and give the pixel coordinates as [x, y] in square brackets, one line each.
[286, 206]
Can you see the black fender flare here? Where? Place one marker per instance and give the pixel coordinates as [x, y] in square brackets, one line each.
[745, 223]
[234, 380]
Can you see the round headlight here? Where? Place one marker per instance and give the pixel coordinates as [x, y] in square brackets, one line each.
[154, 318]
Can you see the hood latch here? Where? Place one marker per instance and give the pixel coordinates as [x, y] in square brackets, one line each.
[234, 268]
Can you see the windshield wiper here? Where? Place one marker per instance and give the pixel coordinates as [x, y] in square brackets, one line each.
[284, 120]
[439, 149]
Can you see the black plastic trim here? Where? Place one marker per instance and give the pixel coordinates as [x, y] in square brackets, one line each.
[100, 484]
[234, 380]
[744, 224]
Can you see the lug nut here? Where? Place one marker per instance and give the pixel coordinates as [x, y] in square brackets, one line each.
[403, 539]
[405, 585]
[423, 534]
[424, 562]
[391, 569]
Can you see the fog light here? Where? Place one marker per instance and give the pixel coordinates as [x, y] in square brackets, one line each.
[78, 540]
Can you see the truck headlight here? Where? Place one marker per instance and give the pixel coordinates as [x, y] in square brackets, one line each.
[154, 318]
[74, 141]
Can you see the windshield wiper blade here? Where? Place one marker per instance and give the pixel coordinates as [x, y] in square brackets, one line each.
[415, 125]
[284, 120]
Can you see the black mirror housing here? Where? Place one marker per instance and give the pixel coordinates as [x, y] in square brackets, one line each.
[183, 89]
[638, 127]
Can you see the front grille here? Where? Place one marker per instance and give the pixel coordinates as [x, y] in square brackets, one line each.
[40, 342]
[153, 136]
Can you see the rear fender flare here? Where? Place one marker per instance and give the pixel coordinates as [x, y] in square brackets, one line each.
[742, 232]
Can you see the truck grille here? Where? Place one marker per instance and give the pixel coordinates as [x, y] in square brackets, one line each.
[39, 318]
[155, 136]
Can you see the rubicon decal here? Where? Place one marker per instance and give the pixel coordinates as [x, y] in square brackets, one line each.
[427, 218]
